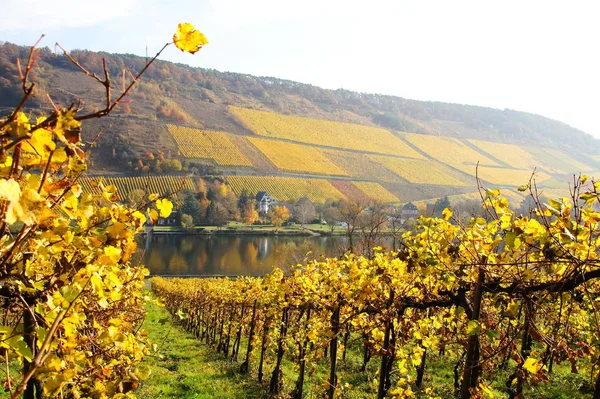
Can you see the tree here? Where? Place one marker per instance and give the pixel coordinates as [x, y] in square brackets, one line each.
[279, 215]
[467, 209]
[216, 214]
[332, 216]
[158, 167]
[249, 212]
[304, 211]
[350, 213]
[187, 222]
[171, 165]
[192, 207]
[244, 197]
[372, 222]
[395, 224]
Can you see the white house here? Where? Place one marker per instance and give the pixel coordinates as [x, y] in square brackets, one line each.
[264, 201]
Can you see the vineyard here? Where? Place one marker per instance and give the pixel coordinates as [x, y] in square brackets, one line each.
[515, 197]
[360, 166]
[503, 176]
[286, 188]
[419, 171]
[448, 150]
[558, 159]
[161, 185]
[349, 190]
[514, 156]
[195, 143]
[507, 305]
[322, 132]
[376, 192]
[296, 157]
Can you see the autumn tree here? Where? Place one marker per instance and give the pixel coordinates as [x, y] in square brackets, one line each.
[332, 216]
[279, 215]
[372, 222]
[249, 212]
[217, 214]
[351, 214]
[304, 211]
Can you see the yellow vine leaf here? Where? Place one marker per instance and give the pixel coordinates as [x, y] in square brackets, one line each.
[153, 216]
[10, 190]
[532, 365]
[165, 207]
[67, 127]
[20, 126]
[188, 39]
[447, 213]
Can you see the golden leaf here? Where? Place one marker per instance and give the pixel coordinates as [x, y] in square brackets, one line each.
[188, 39]
[165, 207]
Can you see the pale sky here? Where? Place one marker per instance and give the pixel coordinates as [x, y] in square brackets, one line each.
[534, 56]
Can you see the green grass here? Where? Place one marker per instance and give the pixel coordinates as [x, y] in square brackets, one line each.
[185, 368]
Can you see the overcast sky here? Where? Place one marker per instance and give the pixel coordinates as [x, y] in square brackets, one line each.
[535, 56]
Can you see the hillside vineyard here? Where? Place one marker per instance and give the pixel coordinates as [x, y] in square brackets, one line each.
[292, 135]
[328, 160]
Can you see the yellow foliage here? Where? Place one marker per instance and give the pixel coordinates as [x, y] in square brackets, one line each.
[322, 132]
[203, 144]
[417, 296]
[279, 215]
[188, 39]
[376, 191]
[361, 166]
[419, 171]
[503, 176]
[73, 304]
[448, 150]
[296, 157]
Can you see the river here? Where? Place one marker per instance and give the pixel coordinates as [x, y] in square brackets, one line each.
[199, 255]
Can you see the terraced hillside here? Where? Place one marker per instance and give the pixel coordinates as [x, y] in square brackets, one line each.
[354, 162]
[297, 140]
[412, 166]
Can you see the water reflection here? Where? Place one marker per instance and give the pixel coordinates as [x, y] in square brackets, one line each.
[231, 255]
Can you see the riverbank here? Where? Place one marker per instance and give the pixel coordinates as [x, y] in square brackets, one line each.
[245, 229]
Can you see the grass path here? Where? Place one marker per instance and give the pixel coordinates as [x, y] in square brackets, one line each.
[184, 368]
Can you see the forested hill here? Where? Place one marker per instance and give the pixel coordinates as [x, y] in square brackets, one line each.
[168, 88]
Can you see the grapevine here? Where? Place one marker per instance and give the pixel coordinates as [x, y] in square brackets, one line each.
[502, 292]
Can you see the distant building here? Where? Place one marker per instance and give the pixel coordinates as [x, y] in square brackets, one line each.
[409, 211]
[172, 220]
[264, 201]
